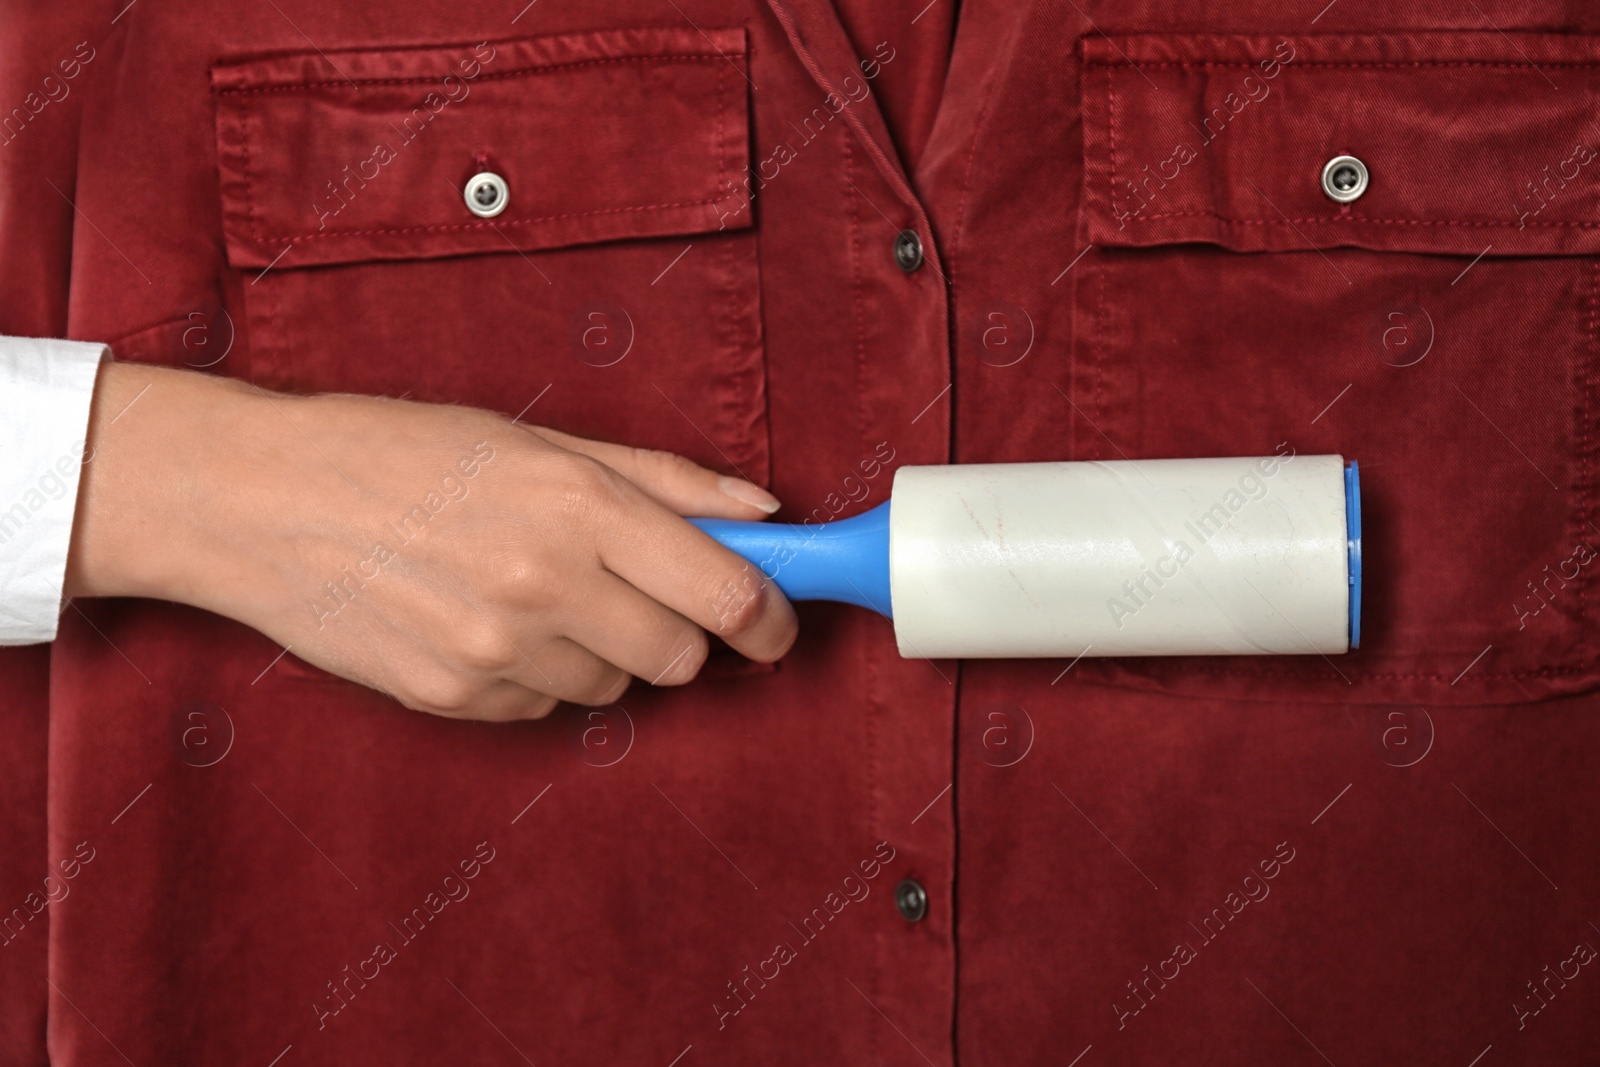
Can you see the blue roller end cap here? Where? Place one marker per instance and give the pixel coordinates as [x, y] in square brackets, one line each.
[1352, 522]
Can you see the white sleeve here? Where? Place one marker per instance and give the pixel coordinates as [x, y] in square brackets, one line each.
[46, 388]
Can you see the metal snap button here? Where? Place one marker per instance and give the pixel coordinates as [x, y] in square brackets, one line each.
[486, 194]
[1344, 178]
[911, 900]
[908, 250]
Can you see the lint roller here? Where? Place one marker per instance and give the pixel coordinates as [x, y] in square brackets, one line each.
[1164, 557]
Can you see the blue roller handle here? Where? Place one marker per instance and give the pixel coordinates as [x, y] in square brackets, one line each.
[847, 561]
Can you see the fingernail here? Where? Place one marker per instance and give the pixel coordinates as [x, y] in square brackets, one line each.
[746, 493]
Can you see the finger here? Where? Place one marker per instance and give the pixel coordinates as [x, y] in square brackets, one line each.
[650, 641]
[553, 667]
[502, 701]
[672, 562]
[565, 669]
[673, 481]
[507, 701]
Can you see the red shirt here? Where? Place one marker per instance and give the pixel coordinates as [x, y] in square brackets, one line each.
[1126, 251]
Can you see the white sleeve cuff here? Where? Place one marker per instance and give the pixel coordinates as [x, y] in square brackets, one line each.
[46, 388]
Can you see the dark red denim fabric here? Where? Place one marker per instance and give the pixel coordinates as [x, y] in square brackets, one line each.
[1383, 857]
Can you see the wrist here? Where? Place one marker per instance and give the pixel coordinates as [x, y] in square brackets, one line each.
[165, 453]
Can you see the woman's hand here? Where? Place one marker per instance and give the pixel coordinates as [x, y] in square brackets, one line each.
[464, 564]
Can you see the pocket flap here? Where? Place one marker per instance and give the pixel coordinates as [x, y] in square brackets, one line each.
[1473, 142]
[362, 155]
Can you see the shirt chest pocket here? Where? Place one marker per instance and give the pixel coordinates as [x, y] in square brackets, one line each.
[1380, 246]
[549, 226]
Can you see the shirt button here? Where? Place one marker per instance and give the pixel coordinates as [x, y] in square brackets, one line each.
[1344, 178]
[911, 900]
[908, 250]
[486, 194]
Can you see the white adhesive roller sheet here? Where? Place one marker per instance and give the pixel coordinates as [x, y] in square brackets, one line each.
[1238, 556]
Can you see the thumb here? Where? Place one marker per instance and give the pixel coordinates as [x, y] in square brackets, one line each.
[673, 481]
